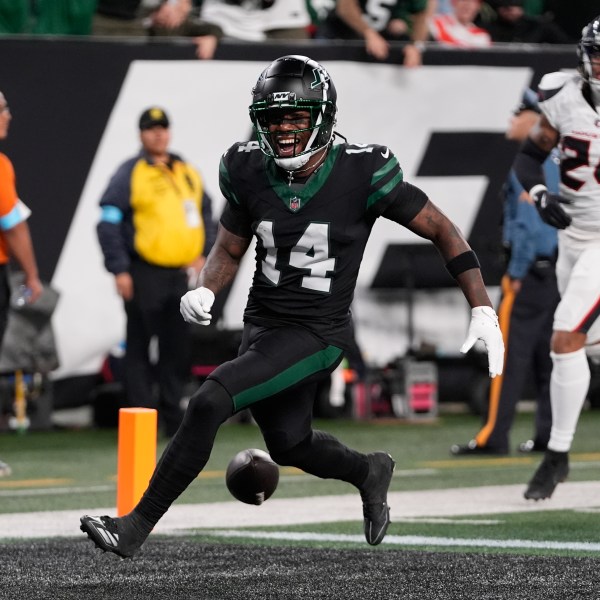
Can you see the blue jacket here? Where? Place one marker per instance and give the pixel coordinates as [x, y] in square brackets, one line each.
[527, 236]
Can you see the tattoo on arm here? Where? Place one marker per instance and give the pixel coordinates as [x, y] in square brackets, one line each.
[432, 224]
[223, 261]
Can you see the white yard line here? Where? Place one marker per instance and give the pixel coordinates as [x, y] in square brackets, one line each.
[405, 540]
[319, 509]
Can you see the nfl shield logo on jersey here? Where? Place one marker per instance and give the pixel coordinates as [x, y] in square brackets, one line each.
[294, 203]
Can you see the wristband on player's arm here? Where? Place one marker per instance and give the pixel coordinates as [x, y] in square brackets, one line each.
[463, 262]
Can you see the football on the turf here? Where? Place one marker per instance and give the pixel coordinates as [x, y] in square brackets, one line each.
[252, 476]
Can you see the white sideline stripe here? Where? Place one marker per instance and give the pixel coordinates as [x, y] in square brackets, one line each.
[453, 502]
[403, 540]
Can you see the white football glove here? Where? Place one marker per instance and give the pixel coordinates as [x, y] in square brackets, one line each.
[196, 304]
[484, 327]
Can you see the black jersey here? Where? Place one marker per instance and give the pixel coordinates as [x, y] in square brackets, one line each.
[311, 238]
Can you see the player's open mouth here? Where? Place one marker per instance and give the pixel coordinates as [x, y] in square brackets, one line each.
[288, 146]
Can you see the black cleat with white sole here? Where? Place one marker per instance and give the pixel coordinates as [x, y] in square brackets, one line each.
[112, 535]
[373, 492]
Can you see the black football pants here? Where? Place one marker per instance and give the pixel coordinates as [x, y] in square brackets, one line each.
[275, 374]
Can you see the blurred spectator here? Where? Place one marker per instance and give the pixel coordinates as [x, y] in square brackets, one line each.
[457, 28]
[136, 17]
[400, 20]
[258, 20]
[534, 8]
[572, 16]
[14, 16]
[443, 7]
[287, 19]
[155, 220]
[318, 11]
[47, 17]
[513, 25]
[205, 35]
[156, 18]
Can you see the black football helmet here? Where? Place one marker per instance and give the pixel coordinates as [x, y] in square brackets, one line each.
[294, 82]
[590, 46]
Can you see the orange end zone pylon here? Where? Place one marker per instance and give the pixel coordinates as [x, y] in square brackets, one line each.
[137, 455]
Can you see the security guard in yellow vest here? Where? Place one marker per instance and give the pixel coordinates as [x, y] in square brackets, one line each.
[156, 227]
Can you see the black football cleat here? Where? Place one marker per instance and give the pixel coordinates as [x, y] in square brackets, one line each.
[553, 470]
[112, 535]
[373, 492]
[472, 449]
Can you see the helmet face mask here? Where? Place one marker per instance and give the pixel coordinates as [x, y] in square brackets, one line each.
[588, 52]
[293, 110]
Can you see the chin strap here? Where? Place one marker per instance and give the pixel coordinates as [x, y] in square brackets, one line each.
[293, 164]
[292, 173]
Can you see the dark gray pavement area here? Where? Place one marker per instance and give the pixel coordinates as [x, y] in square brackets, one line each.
[175, 568]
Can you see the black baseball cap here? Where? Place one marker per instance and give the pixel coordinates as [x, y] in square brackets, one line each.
[152, 117]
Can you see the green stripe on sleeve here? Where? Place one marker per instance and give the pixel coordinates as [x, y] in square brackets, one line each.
[225, 183]
[389, 165]
[385, 190]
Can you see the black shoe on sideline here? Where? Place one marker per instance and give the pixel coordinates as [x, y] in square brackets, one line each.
[373, 492]
[112, 535]
[472, 449]
[531, 446]
[553, 470]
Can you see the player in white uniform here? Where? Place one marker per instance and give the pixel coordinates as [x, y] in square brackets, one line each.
[570, 107]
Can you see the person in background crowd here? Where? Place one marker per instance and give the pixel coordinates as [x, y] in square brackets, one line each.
[443, 7]
[136, 17]
[403, 20]
[259, 20]
[47, 17]
[15, 238]
[529, 298]
[570, 15]
[513, 25]
[318, 11]
[155, 219]
[156, 18]
[457, 28]
[311, 206]
[570, 105]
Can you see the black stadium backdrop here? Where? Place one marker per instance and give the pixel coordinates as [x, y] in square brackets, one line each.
[62, 92]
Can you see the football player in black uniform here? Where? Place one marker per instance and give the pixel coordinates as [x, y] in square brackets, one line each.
[311, 206]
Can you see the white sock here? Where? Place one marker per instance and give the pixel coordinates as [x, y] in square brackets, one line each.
[568, 389]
